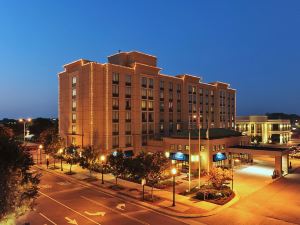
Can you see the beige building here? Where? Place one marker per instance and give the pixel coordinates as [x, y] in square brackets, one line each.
[127, 102]
[264, 130]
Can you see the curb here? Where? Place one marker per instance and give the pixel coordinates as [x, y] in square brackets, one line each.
[145, 204]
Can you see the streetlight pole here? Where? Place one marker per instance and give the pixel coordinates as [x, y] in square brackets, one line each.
[40, 148]
[189, 153]
[102, 158]
[24, 123]
[174, 172]
[199, 136]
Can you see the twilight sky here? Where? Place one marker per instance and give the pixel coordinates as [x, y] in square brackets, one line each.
[253, 45]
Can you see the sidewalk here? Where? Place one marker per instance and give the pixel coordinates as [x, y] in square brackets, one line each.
[185, 206]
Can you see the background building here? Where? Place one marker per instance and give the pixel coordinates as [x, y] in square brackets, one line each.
[264, 130]
[126, 102]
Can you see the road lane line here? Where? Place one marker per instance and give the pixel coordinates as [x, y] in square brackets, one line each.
[45, 217]
[98, 189]
[114, 210]
[68, 208]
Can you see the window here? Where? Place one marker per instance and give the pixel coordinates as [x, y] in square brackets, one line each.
[144, 93]
[178, 107]
[178, 127]
[128, 128]
[73, 92]
[74, 105]
[161, 106]
[150, 116]
[161, 84]
[187, 147]
[151, 83]
[115, 78]
[73, 129]
[144, 128]
[190, 89]
[170, 86]
[178, 96]
[144, 139]
[74, 81]
[144, 116]
[170, 95]
[179, 147]
[115, 128]
[144, 105]
[115, 116]
[144, 82]
[73, 118]
[115, 103]
[178, 88]
[201, 91]
[128, 80]
[171, 117]
[171, 106]
[73, 140]
[171, 127]
[151, 128]
[172, 147]
[150, 93]
[128, 104]
[115, 141]
[161, 127]
[128, 116]
[150, 105]
[161, 95]
[115, 90]
[128, 92]
[128, 141]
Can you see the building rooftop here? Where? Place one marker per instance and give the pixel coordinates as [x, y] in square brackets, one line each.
[260, 147]
[214, 133]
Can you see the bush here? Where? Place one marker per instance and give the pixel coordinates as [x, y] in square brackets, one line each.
[213, 194]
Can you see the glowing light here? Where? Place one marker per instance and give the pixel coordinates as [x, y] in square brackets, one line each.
[195, 158]
[40, 146]
[115, 153]
[167, 154]
[174, 171]
[102, 158]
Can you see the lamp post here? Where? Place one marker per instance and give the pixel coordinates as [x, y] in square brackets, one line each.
[24, 121]
[199, 137]
[190, 128]
[233, 160]
[60, 151]
[102, 159]
[40, 149]
[174, 172]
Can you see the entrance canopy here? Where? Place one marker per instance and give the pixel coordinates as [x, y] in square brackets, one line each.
[258, 150]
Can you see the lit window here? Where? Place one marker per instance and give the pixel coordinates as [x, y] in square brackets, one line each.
[144, 104]
[74, 80]
[74, 129]
[150, 105]
[74, 118]
[115, 90]
[73, 140]
[74, 104]
[144, 81]
[74, 92]
[128, 115]
[128, 92]
[128, 79]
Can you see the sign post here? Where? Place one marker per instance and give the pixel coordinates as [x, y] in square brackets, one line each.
[143, 185]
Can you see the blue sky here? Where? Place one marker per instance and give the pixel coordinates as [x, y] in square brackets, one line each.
[253, 45]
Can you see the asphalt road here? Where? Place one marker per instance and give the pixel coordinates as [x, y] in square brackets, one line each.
[63, 201]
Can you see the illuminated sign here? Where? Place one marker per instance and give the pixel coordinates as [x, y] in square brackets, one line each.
[219, 157]
[179, 156]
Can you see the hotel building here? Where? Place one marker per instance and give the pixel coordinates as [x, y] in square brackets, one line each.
[126, 103]
[264, 130]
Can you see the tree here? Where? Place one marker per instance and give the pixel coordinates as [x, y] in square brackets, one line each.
[52, 142]
[39, 125]
[72, 156]
[157, 163]
[18, 185]
[117, 163]
[218, 176]
[89, 158]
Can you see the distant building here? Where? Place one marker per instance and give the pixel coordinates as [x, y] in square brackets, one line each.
[126, 102]
[261, 129]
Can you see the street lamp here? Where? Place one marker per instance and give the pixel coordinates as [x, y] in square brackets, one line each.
[24, 121]
[102, 159]
[235, 160]
[199, 143]
[174, 172]
[40, 149]
[190, 128]
[60, 151]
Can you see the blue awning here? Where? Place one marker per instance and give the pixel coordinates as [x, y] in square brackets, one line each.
[219, 157]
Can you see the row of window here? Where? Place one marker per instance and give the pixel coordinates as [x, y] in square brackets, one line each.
[115, 141]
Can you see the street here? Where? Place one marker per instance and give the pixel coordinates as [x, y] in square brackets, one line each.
[62, 201]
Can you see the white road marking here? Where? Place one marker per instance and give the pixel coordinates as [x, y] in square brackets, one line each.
[114, 210]
[70, 221]
[95, 213]
[45, 217]
[64, 183]
[121, 206]
[68, 208]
